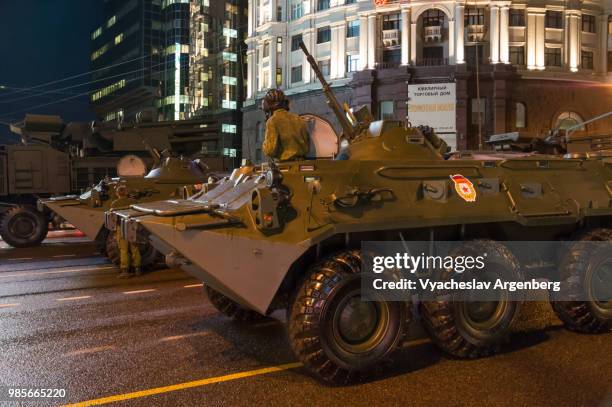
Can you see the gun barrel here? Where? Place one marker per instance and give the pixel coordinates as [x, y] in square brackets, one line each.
[347, 129]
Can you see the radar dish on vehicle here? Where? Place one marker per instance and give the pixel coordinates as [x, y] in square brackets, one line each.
[131, 166]
[323, 137]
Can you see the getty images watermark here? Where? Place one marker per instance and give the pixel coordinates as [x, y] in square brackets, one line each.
[486, 271]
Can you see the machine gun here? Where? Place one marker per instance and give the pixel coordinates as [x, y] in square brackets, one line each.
[349, 132]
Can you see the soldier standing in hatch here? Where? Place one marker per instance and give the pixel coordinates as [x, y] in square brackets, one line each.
[286, 136]
[128, 251]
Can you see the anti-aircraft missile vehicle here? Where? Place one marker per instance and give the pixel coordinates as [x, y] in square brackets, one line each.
[171, 178]
[289, 235]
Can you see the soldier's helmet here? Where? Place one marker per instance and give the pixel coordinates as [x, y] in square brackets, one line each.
[274, 99]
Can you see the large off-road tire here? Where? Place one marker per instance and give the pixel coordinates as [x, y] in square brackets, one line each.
[339, 337]
[584, 271]
[471, 329]
[23, 226]
[231, 308]
[149, 255]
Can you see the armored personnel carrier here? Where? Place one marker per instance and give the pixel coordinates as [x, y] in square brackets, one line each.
[289, 236]
[171, 178]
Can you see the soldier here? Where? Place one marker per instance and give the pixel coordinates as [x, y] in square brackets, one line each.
[128, 251]
[286, 137]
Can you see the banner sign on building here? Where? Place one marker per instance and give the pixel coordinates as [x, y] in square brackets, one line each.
[433, 105]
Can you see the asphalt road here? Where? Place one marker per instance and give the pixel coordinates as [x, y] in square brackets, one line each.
[67, 322]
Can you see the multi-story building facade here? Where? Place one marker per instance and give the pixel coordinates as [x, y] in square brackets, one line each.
[469, 69]
[140, 59]
[216, 71]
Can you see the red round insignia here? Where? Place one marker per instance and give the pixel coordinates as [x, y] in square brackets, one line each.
[464, 187]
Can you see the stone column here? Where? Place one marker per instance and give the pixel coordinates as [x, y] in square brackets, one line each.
[251, 13]
[494, 33]
[504, 36]
[372, 41]
[603, 54]
[260, 66]
[273, 62]
[574, 39]
[306, 70]
[363, 43]
[413, 43]
[341, 50]
[531, 39]
[540, 37]
[451, 41]
[459, 34]
[273, 7]
[250, 77]
[405, 36]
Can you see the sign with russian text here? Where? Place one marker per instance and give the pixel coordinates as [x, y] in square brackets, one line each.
[433, 105]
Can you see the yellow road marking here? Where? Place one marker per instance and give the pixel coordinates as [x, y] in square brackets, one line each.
[177, 337]
[183, 386]
[139, 291]
[83, 297]
[416, 342]
[194, 285]
[21, 258]
[89, 350]
[64, 255]
[8, 305]
[38, 273]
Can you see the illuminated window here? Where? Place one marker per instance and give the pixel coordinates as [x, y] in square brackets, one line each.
[227, 56]
[433, 18]
[266, 49]
[587, 59]
[517, 17]
[552, 56]
[279, 44]
[386, 109]
[229, 80]
[352, 29]
[230, 33]
[474, 16]
[118, 38]
[279, 76]
[352, 63]
[111, 21]
[107, 90]
[96, 33]
[322, 5]
[521, 115]
[324, 67]
[554, 19]
[588, 23]
[391, 21]
[228, 128]
[97, 53]
[296, 74]
[323, 35]
[517, 55]
[297, 10]
[295, 42]
[568, 119]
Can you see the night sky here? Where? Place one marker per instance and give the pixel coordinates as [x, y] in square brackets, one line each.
[43, 41]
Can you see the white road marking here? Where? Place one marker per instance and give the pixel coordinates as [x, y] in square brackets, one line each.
[38, 273]
[194, 285]
[8, 305]
[89, 350]
[83, 297]
[177, 337]
[139, 291]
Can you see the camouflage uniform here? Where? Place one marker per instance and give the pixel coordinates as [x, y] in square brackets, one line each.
[127, 251]
[286, 136]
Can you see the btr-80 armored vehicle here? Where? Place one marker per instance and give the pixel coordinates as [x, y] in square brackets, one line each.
[289, 236]
[171, 178]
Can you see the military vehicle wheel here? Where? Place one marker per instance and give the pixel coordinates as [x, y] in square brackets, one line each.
[149, 255]
[230, 308]
[471, 329]
[23, 226]
[586, 272]
[337, 336]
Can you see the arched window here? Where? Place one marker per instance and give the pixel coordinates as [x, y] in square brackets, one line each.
[521, 115]
[568, 119]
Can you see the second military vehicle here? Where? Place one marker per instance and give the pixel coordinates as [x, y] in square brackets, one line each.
[289, 236]
[171, 178]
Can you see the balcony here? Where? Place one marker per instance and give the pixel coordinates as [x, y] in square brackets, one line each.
[390, 38]
[433, 33]
[432, 62]
[475, 33]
